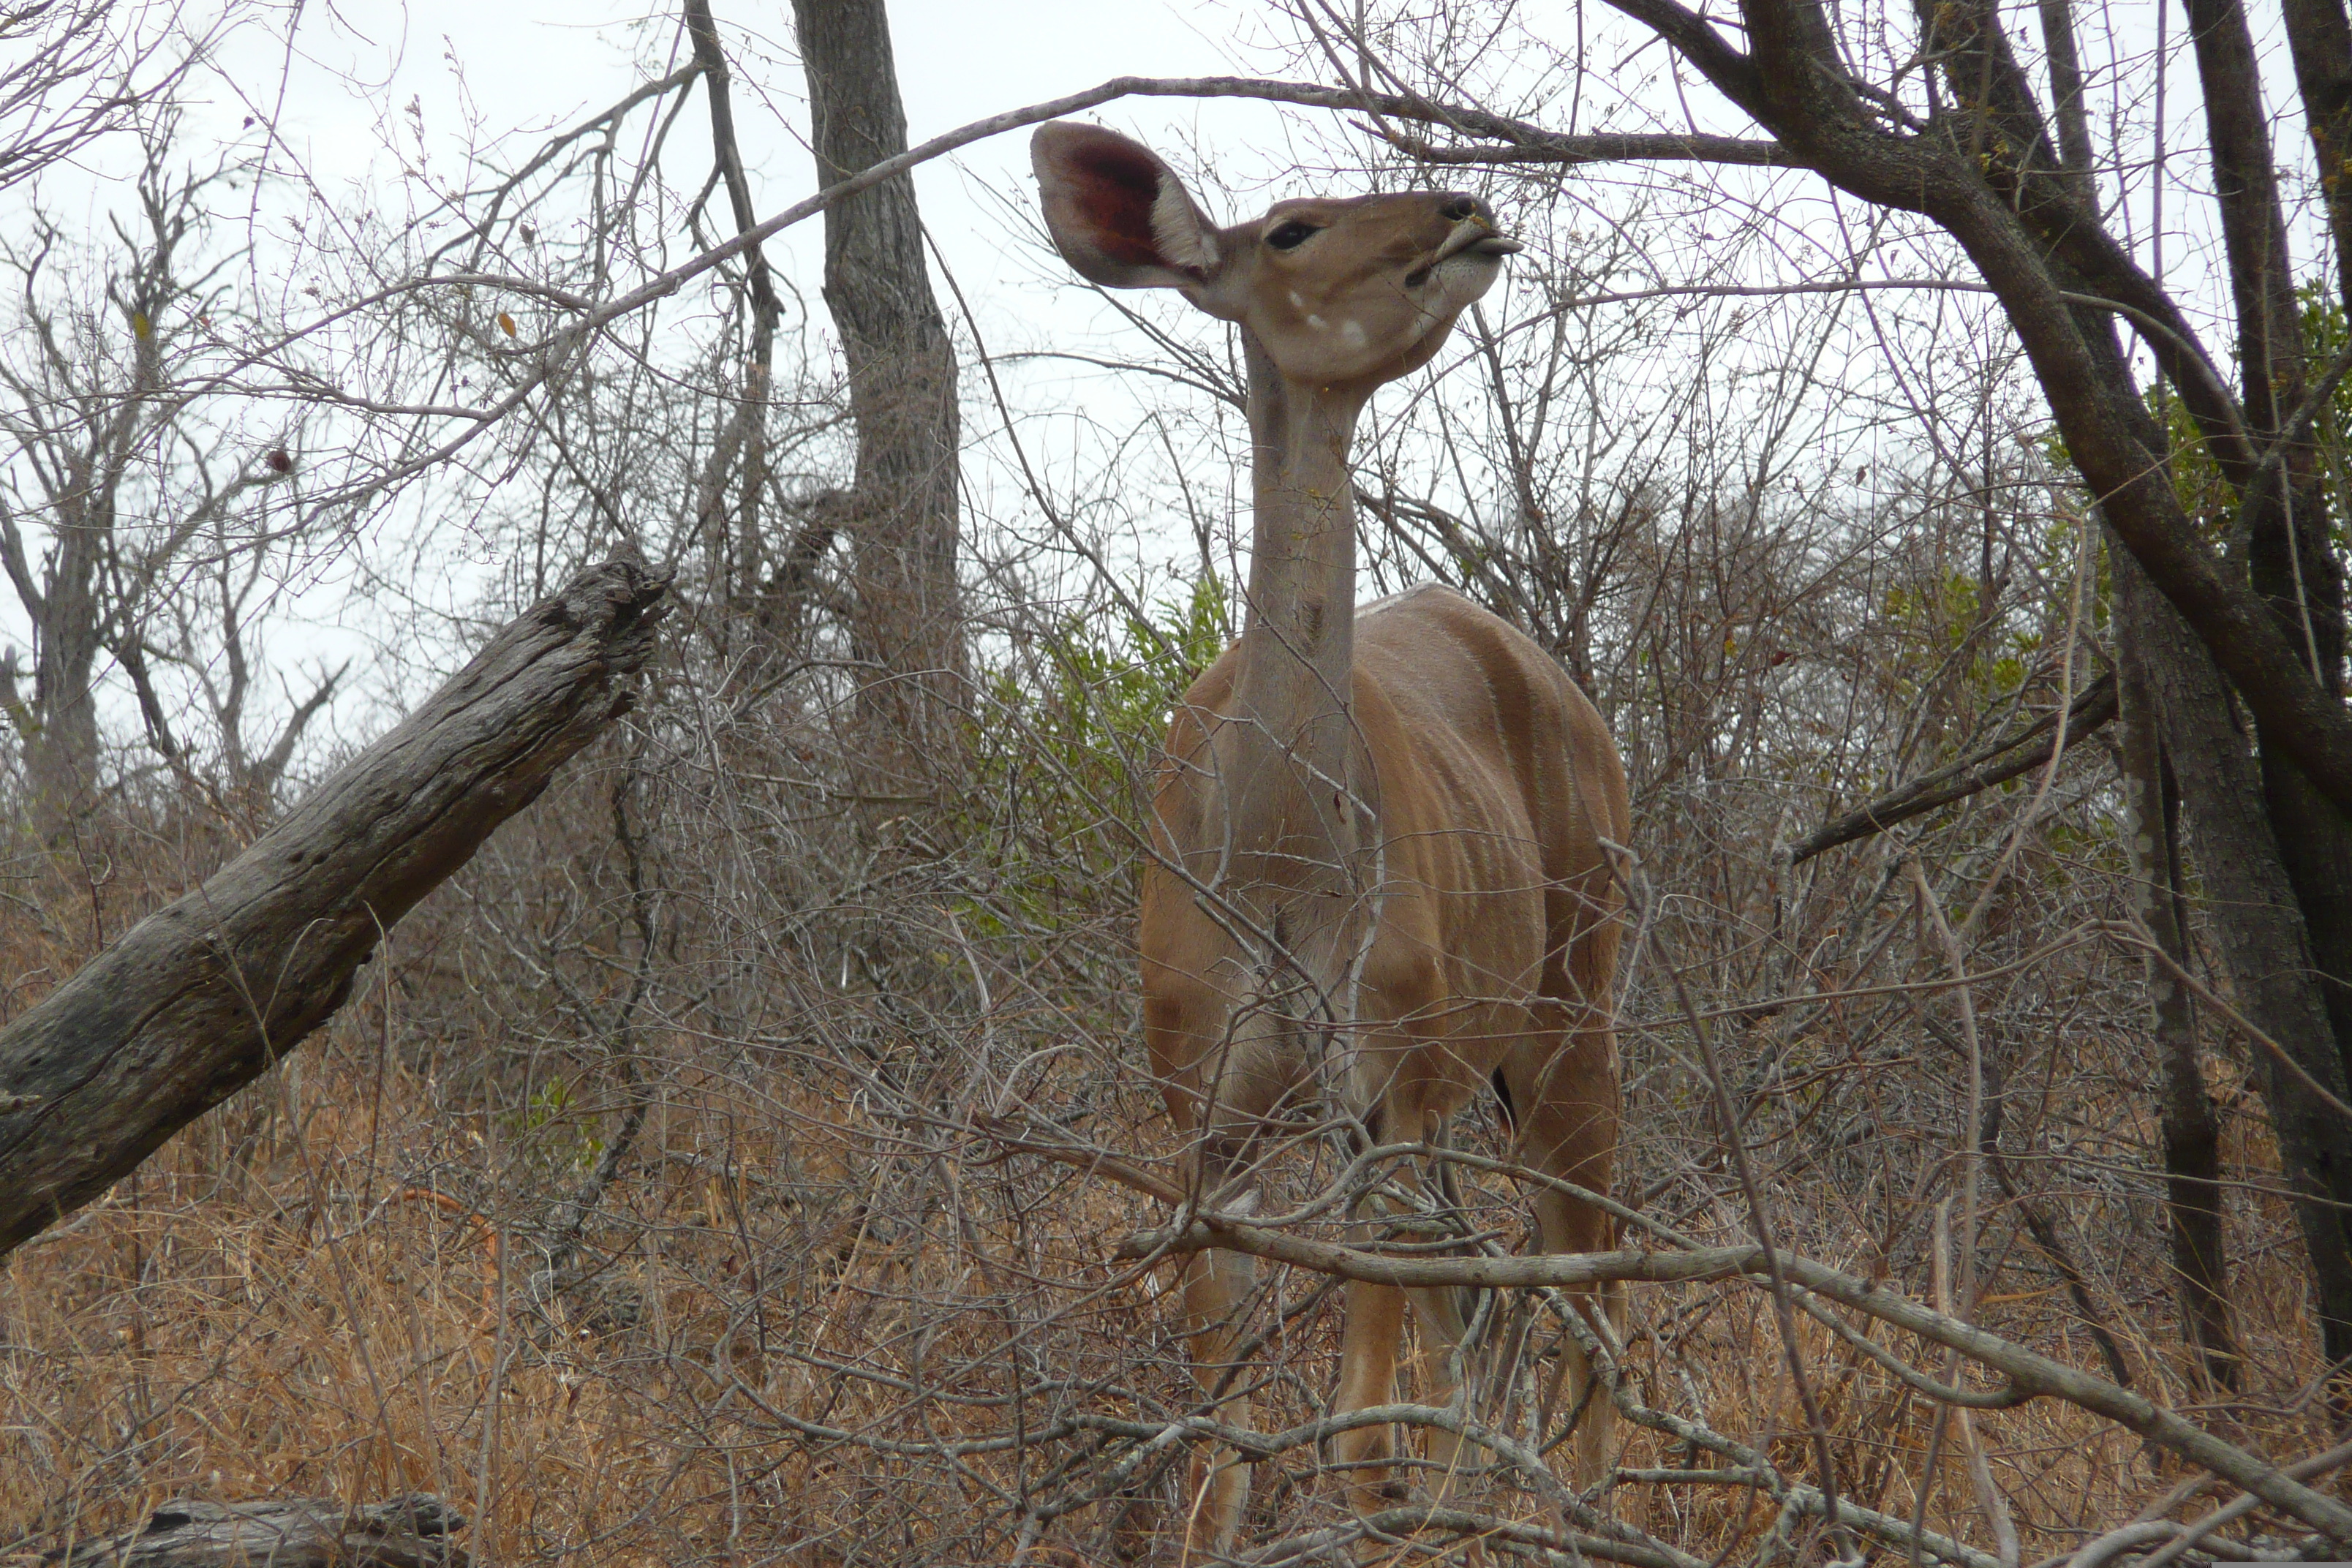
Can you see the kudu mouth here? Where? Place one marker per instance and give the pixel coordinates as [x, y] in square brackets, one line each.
[1474, 236]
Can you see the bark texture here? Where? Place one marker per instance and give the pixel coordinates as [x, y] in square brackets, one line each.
[410, 1531]
[2261, 933]
[201, 997]
[902, 396]
[2190, 1131]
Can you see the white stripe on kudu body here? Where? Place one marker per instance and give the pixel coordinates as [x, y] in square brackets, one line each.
[1378, 870]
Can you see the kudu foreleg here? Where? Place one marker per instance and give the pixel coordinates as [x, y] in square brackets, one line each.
[1567, 1112]
[1217, 1289]
[1217, 1286]
[1368, 1350]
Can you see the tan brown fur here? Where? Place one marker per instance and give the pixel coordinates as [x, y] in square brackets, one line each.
[1378, 840]
[1495, 946]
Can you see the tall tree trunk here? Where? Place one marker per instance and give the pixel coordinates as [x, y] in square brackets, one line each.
[2290, 559]
[2191, 1133]
[902, 392]
[2260, 932]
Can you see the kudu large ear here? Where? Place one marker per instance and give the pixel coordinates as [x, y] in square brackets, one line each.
[1116, 213]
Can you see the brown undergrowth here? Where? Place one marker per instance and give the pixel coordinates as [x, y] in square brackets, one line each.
[812, 1321]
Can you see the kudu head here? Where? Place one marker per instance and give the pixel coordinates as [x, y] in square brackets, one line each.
[1341, 295]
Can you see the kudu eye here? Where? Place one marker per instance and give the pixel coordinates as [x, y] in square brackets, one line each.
[1292, 235]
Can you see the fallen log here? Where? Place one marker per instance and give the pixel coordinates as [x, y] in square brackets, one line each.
[199, 997]
[410, 1531]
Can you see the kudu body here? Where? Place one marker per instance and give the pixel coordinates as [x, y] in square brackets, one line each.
[1378, 877]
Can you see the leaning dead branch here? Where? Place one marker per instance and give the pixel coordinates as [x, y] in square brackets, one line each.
[1980, 771]
[201, 997]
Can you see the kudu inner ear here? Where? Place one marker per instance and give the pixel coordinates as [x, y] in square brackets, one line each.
[1117, 187]
[1116, 213]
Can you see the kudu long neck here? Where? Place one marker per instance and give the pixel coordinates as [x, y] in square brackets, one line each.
[1297, 803]
[1298, 634]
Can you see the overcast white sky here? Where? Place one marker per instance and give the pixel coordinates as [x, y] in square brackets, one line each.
[336, 80]
[530, 64]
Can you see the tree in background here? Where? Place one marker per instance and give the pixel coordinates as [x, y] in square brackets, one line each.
[74, 72]
[2009, 172]
[902, 508]
[133, 527]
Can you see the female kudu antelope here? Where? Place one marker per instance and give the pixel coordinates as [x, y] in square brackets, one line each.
[1379, 870]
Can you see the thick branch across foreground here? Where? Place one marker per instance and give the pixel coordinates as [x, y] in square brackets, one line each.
[2029, 1374]
[199, 997]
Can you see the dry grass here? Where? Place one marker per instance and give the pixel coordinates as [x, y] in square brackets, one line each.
[327, 1287]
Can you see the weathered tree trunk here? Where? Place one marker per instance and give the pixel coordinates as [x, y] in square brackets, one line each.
[2290, 559]
[902, 392]
[199, 997]
[410, 1531]
[2190, 1131]
[2261, 932]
